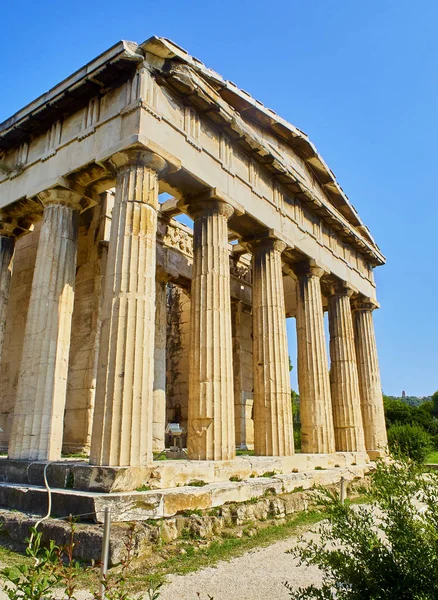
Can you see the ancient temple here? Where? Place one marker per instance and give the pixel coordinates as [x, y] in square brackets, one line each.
[116, 318]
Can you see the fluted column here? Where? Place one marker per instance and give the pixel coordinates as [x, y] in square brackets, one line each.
[37, 424]
[122, 424]
[317, 435]
[370, 386]
[211, 433]
[273, 433]
[159, 407]
[347, 417]
[7, 245]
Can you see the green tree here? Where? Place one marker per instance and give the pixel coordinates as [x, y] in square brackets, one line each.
[410, 441]
[435, 404]
[387, 549]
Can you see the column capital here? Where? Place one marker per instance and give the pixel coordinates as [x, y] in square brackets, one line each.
[65, 197]
[339, 288]
[162, 276]
[8, 227]
[269, 243]
[363, 303]
[211, 201]
[138, 156]
[210, 206]
[309, 268]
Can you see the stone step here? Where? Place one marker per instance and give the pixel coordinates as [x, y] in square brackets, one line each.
[155, 504]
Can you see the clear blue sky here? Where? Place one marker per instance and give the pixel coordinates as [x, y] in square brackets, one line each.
[360, 78]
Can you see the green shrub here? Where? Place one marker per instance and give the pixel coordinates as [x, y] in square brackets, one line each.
[386, 549]
[410, 441]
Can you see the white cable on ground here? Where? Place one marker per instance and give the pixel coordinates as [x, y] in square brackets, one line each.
[49, 508]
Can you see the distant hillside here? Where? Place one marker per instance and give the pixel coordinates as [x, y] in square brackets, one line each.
[411, 400]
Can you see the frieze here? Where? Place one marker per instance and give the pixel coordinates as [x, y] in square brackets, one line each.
[176, 237]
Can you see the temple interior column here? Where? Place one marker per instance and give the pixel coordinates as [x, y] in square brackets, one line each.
[94, 227]
[122, 423]
[317, 432]
[273, 429]
[7, 245]
[370, 386]
[347, 417]
[177, 357]
[37, 424]
[211, 434]
[243, 374]
[159, 394]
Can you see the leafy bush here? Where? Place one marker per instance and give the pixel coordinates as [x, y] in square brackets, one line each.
[410, 441]
[386, 549]
[54, 574]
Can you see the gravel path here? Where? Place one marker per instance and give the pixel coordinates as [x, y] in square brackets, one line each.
[257, 575]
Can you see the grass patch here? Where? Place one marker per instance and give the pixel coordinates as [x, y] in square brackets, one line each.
[143, 488]
[197, 483]
[269, 474]
[235, 478]
[432, 458]
[159, 456]
[245, 453]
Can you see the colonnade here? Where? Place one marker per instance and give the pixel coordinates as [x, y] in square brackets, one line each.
[340, 411]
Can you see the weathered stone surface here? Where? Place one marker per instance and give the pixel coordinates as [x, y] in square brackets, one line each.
[122, 426]
[243, 374]
[347, 416]
[317, 433]
[369, 378]
[273, 431]
[211, 433]
[177, 357]
[7, 244]
[41, 392]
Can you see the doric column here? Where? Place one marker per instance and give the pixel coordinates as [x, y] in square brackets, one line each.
[159, 407]
[7, 245]
[369, 378]
[317, 435]
[211, 434]
[273, 434]
[347, 417]
[37, 424]
[122, 423]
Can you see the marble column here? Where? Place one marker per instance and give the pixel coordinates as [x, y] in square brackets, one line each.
[211, 433]
[347, 416]
[37, 424]
[159, 395]
[273, 429]
[7, 245]
[122, 423]
[317, 432]
[370, 387]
